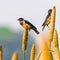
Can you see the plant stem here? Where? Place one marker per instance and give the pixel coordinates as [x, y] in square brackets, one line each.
[23, 55]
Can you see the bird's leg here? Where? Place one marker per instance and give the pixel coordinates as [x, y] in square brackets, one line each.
[47, 25]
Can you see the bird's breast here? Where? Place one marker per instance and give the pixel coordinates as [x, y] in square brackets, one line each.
[24, 24]
[48, 20]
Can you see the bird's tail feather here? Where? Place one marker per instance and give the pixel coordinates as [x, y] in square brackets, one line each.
[42, 24]
[37, 32]
[43, 27]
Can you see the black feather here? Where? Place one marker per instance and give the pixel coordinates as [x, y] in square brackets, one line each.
[32, 26]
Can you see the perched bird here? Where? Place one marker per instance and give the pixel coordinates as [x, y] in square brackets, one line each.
[47, 20]
[24, 22]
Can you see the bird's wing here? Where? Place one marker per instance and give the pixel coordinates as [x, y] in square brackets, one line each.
[45, 20]
[33, 27]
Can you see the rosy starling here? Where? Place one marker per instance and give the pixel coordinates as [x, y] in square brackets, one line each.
[22, 22]
[47, 20]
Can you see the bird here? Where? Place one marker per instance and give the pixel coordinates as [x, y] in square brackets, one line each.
[24, 22]
[47, 19]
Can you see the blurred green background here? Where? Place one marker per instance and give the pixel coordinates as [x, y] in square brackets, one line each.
[11, 41]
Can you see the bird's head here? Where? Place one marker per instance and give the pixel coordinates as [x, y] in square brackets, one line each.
[49, 11]
[20, 20]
